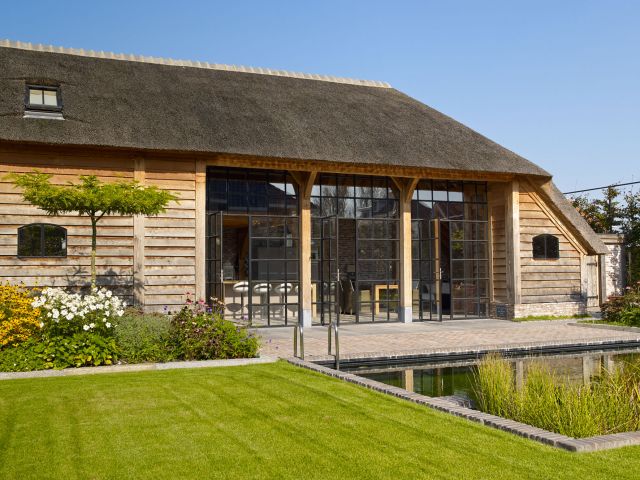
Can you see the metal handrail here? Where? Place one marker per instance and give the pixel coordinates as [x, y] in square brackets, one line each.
[334, 326]
[298, 330]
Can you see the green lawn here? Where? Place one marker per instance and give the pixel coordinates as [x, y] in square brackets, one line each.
[262, 421]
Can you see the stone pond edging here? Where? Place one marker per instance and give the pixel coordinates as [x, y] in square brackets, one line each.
[590, 444]
[137, 367]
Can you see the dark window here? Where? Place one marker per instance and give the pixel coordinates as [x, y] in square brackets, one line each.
[546, 247]
[43, 98]
[42, 240]
[254, 192]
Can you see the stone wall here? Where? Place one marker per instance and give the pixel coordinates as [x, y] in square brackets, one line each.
[615, 273]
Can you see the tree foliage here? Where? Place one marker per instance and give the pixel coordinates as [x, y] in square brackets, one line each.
[92, 198]
[615, 213]
[603, 214]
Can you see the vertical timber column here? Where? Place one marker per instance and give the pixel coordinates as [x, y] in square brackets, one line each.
[138, 241]
[305, 182]
[512, 239]
[406, 186]
[201, 220]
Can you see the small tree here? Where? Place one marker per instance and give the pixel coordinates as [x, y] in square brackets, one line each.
[602, 214]
[609, 214]
[92, 198]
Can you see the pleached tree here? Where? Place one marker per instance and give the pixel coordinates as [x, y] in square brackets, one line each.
[92, 198]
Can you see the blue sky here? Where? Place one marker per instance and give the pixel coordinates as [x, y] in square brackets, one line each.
[556, 81]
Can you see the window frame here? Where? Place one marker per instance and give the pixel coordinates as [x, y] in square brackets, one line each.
[42, 226]
[46, 108]
[545, 237]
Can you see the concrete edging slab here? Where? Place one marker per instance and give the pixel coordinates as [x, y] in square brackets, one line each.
[591, 444]
[137, 367]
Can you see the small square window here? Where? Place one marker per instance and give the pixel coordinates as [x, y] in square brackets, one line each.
[43, 98]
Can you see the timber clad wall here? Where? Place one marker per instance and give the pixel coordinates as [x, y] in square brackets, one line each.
[169, 242]
[115, 241]
[546, 280]
[169, 239]
[153, 260]
[497, 213]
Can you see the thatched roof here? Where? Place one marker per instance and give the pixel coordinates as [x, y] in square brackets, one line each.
[142, 103]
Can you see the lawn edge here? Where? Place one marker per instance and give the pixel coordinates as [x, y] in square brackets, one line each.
[580, 445]
[138, 367]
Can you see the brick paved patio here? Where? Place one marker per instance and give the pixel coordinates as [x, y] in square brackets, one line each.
[395, 338]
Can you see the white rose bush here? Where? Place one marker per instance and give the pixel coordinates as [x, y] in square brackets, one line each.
[64, 313]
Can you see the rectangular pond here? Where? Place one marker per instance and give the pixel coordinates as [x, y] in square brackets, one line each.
[455, 379]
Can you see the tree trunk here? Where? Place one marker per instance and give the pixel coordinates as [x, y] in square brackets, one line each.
[94, 235]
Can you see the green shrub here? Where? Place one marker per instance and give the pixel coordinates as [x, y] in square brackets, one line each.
[21, 358]
[609, 404]
[143, 337]
[625, 309]
[84, 349]
[198, 335]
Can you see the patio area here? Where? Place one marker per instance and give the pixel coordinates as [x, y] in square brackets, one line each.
[392, 339]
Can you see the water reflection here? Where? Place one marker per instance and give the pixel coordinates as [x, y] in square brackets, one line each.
[456, 379]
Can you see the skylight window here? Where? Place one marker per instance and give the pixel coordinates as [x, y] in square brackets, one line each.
[43, 98]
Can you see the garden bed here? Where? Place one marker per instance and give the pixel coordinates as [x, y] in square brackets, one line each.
[56, 329]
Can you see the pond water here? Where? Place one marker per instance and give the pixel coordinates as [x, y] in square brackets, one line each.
[456, 379]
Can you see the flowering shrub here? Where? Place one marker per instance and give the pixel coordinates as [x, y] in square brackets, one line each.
[199, 333]
[143, 337]
[65, 314]
[18, 318]
[624, 309]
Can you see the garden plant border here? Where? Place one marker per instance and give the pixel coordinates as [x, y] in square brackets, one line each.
[590, 444]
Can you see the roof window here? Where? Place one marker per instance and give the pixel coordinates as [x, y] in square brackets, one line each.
[43, 102]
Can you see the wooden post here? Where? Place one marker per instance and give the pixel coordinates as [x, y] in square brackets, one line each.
[305, 182]
[201, 221]
[407, 379]
[512, 227]
[406, 186]
[602, 279]
[138, 241]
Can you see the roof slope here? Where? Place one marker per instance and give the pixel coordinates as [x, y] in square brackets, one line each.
[591, 239]
[143, 105]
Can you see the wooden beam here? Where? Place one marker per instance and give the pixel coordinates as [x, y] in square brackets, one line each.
[201, 220]
[138, 241]
[305, 181]
[11, 151]
[406, 186]
[512, 234]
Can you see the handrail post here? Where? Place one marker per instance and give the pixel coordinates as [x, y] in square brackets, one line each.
[301, 326]
[295, 340]
[337, 346]
[329, 337]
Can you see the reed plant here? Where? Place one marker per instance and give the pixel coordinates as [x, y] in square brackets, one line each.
[608, 404]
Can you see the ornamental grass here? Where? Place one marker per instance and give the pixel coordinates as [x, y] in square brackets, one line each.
[608, 404]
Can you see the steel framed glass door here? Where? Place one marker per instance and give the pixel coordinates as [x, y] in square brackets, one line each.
[427, 269]
[467, 268]
[450, 269]
[327, 283]
[273, 270]
[215, 276]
